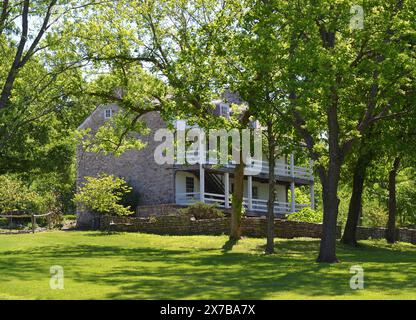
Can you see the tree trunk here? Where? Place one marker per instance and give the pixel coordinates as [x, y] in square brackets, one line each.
[349, 236]
[327, 249]
[272, 194]
[237, 202]
[238, 192]
[391, 223]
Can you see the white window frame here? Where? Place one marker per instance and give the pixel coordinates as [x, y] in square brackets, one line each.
[227, 108]
[108, 116]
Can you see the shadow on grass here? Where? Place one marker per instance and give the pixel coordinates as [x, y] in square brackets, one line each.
[156, 273]
[101, 233]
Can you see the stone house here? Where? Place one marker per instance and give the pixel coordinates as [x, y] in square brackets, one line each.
[159, 187]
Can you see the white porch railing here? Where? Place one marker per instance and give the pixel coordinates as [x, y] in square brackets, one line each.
[192, 197]
[260, 205]
[281, 169]
[257, 205]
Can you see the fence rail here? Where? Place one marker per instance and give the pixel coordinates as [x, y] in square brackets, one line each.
[32, 216]
[257, 205]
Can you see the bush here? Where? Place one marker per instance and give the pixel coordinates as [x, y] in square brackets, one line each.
[307, 215]
[201, 210]
[3, 222]
[102, 195]
[374, 216]
[16, 196]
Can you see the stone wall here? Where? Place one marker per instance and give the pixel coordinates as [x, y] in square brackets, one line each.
[157, 210]
[251, 227]
[403, 235]
[182, 225]
[152, 183]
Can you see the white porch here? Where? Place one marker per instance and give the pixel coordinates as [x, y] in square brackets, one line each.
[283, 167]
[257, 205]
[206, 186]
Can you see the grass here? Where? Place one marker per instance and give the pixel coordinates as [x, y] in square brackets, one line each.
[144, 266]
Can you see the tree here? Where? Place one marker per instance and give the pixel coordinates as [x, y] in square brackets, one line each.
[39, 107]
[364, 159]
[176, 46]
[339, 81]
[391, 224]
[383, 140]
[25, 50]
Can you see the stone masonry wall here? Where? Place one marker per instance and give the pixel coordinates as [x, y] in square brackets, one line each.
[403, 235]
[153, 183]
[251, 227]
[182, 225]
[157, 210]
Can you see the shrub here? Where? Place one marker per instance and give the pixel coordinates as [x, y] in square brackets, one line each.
[201, 210]
[375, 215]
[16, 196]
[102, 195]
[3, 222]
[307, 215]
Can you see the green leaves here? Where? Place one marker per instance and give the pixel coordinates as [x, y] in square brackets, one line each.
[16, 196]
[116, 136]
[306, 215]
[103, 194]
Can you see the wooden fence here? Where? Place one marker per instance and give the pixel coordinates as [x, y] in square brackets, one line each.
[32, 216]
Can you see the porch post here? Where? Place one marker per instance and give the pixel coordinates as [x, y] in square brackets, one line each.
[227, 190]
[250, 192]
[292, 183]
[201, 183]
[292, 165]
[202, 159]
[292, 194]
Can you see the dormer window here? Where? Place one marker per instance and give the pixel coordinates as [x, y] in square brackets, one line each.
[108, 113]
[224, 110]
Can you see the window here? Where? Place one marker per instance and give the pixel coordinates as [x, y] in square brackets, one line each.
[232, 187]
[255, 192]
[108, 113]
[224, 110]
[190, 184]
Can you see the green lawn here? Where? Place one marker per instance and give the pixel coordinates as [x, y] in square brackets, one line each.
[142, 266]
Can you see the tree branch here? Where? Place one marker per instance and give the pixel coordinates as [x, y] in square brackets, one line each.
[8, 85]
[45, 26]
